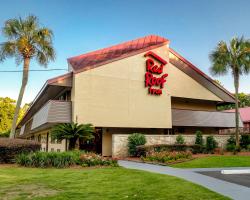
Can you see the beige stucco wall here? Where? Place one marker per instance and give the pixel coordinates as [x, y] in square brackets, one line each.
[113, 95]
[51, 146]
[120, 141]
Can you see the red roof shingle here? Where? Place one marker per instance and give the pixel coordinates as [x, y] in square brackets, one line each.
[244, 113]
[103, 56]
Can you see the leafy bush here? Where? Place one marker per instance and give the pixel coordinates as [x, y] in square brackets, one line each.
[245, 141]
[167, 157]
[10, 148]
[231, 144]
[143, 150]
[198, 138]
[180, 139]
[211, 144]
[62, 159]
[135, 140]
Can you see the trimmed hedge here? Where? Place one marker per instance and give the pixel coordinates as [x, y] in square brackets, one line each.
[10, 148]
[142, 150]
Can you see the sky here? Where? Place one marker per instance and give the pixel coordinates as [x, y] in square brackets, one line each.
[193, 27]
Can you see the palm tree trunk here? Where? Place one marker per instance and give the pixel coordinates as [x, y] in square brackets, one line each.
[26, 64]
[72, 143]
[236, 85]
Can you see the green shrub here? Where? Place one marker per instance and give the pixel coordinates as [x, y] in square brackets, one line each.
[10, 148]
[244, 141]
[231, 147]
[62, 159]
[198, 138]
[231, 144]
[248, 147]
[180, 139]
[135, 140]
[211, 144]
[167, 157]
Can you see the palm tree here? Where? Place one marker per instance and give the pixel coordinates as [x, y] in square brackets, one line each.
[233, 57]
[26, 40]
[72, 132]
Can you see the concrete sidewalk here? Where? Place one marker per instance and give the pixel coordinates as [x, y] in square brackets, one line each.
[230, 190]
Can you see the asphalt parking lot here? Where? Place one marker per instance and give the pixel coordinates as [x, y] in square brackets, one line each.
[241, 179]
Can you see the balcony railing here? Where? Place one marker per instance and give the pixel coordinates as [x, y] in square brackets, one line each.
[53, 112]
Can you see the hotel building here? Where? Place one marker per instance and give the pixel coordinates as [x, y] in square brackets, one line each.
[138, 86]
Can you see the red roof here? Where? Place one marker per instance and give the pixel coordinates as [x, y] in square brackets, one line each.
[244, 113]
[103, 56]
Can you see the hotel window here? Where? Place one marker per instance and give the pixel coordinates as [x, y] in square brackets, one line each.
[58, 150]
[52, 150]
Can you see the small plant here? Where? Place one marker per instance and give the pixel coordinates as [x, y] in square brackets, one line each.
[199, 142]
[211, 144]
[135, 140]
[180, 139]
[198, 138]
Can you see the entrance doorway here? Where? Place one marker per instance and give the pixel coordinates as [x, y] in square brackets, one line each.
[94, 145]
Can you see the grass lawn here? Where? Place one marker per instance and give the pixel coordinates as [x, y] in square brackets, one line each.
[216, 161]
[103, 183]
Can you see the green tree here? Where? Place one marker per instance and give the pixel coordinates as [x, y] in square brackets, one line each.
[72, 132]
[244, 101]
[7, 109]
[233, 57]
[26, 40]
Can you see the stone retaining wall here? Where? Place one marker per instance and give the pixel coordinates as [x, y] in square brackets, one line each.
[120, 141]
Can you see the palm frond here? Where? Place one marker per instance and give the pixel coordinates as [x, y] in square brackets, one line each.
[7, 49]
[31, 40]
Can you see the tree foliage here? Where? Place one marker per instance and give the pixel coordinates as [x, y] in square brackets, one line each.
[7, 109]
[26, 39]
[244, 101]
[72, 132]
[233, 57]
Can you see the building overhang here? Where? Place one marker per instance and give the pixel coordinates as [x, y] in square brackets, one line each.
[50, 90]
[194, 118]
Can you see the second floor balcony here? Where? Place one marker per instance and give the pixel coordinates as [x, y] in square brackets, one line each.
[53, 112]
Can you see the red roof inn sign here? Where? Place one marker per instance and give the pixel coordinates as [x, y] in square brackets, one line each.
[154, 83]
